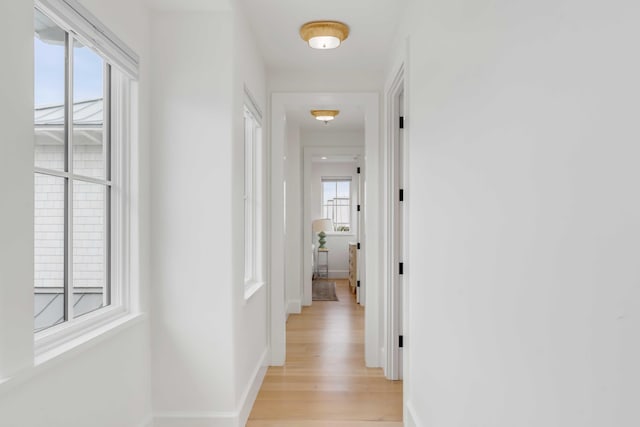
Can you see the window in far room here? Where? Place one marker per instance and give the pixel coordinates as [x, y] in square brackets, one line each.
[336, 202]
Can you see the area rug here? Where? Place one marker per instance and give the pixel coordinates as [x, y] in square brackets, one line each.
[323, 291]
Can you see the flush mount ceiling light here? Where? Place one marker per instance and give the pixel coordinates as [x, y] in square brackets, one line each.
[324, 34]
[325, 115]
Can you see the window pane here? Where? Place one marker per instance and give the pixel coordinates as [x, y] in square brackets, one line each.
[342, 214]
[336, 198]
[49, 93]
[88, 112]
[343, 189]
[328, 191]
[90, 285]
[49, 214]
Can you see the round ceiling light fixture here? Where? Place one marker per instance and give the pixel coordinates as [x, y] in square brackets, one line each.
[324, 34]
[325, 115]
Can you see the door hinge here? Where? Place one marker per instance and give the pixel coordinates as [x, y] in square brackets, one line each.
[358, 208]
[401, 341]
[358, 245]
[401, 195]
[401, 268]
[358, 283]
[401, 122]
[358, 169]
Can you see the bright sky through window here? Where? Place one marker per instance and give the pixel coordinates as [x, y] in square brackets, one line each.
[49, 74]
[336, 202]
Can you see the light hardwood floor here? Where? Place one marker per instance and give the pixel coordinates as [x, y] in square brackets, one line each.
[324, 381]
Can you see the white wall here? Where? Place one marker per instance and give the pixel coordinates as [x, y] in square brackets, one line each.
[209, 342]
[16, 187]
[251, 340]
[192, 334]
[524, 303]
[325, 81]
[114, 368]
[351, 138]
[294, 229]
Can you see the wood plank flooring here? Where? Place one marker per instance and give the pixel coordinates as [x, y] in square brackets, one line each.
[324, 382]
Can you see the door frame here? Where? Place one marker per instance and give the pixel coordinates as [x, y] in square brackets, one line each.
[309, 153]
[396, 286]
[369, 103]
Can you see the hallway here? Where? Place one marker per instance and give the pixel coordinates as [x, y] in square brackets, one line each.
[324, 381]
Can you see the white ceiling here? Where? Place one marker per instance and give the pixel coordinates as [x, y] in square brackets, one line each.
[193, 5]
[276, 25]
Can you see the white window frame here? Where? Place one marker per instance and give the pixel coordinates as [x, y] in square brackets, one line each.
[121, 126]
[337, 179]
[254, 198]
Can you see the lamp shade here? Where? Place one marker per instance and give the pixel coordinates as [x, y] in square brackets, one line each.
[324, 224]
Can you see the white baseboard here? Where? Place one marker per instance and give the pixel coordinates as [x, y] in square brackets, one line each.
[410, 419]
[147, 422]
[338, 274]
[383, 360]
[294, 307]
[251, 392]
[196, 419]
[218, 419]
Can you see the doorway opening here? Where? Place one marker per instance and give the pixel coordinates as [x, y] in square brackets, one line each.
[295, 149]
[332, 187]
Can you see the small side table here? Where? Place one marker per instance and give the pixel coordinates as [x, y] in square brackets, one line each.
[322, 268]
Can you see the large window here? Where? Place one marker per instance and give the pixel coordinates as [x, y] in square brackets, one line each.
[81, 105]
[336, 202]
[253, 200]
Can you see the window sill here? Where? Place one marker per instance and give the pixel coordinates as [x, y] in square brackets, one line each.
[111, 324]
[340, 233]
[70, 348]
[251, 288]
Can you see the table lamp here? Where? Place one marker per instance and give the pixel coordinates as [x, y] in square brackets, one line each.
[321, 226]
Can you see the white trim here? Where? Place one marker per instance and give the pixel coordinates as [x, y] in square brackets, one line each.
[406, 359]
[308, 154]
[59, 336]
[338, 274]
[73, 17]
[195, 419]
[251, 103]
[219, 419]
[340, 233]
[410, 418]
[254, 157]
[352, 204]
[251, 392]
[71, 349]
[148, 422]
[118, 124]
[392, 304]
[251, 289]
[294, 306]
[370, 252]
